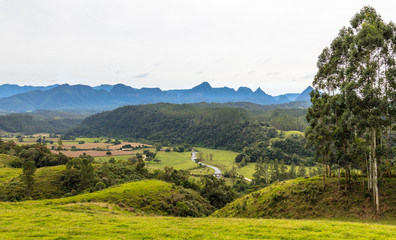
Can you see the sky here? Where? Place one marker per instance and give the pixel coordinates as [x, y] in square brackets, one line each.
[172, 44]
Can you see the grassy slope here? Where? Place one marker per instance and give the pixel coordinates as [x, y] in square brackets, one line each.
[307, 198]
[5, 160]
[36, 220]
[147, 196]
[8, 173]
[47, 184]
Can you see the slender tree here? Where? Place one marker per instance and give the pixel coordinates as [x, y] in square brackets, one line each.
[355, 85]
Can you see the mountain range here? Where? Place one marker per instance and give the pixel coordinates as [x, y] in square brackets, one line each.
[14, 98]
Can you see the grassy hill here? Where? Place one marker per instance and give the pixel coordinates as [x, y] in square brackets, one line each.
[38, 220]
[47, 183]
[310, 198]
[227, 128]
[147, 196]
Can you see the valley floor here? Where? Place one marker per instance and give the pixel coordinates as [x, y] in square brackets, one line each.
[40, 220]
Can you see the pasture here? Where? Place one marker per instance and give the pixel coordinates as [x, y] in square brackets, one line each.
[95, 220]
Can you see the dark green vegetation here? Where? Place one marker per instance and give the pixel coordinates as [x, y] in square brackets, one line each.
[38, 153]
[311, 198]
[352, 122]
[40, 121]
[289, 150]
[175, 124]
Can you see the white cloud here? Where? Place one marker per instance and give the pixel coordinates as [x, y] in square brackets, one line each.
[111, 41]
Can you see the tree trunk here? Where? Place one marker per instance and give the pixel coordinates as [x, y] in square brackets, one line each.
[375, 174]
[370, 172]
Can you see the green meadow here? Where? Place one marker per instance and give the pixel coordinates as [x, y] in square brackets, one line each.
[37, 220]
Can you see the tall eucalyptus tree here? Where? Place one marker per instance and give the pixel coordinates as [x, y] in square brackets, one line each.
[358, 73]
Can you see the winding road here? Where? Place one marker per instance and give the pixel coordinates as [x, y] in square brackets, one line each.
[217, 172]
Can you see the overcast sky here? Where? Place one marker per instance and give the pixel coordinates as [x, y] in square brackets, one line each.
[171, 44]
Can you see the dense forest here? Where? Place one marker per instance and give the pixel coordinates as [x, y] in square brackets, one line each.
[227, 128]
[40, 121]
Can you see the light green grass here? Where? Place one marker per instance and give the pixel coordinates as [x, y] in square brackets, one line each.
[117, 158]
[8, 173]
[247, 170]
[173, 159]
[32, 220]
[312, 198]
[91, 140]
[221, 158]
[5, 160]
[47, 182]
[289, 133]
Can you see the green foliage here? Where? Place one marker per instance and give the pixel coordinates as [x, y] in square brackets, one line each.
[28, 171]
[289, 150]
[38, 153]
[178, 177]
[48, 121]
[177, 124]
[216, 191]
[147, 196]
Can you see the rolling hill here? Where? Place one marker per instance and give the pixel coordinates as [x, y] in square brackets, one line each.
[311, 199]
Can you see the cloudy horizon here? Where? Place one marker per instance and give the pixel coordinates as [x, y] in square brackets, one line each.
[172, 44]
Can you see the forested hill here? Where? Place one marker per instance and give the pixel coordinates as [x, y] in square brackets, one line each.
[222, 127]
[40, 121]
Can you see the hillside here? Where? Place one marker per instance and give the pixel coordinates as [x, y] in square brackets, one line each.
[40, 121]
[147, 197]
[47, 183]
[308, 198]
[142, 197]
[106, 97]
[175, 124]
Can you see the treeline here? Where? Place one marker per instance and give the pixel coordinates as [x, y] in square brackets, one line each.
[47, 121]
[290, 150]
[38, 154]
[227, 128]
[283, 117]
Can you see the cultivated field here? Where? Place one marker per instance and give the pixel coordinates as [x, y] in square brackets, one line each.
[95, 153]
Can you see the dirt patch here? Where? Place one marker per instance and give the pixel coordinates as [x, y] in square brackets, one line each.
[88, 145]
[94, 153]
[133, 144]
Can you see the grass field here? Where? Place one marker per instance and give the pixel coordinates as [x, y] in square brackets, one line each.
[289, 133]
[36, 220]
[221, 158]
[173, 159]
[8, 173]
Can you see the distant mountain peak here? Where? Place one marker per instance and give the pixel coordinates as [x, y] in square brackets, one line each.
[203, 86]
[304, 96]
[308, 89]
[244, 90]
[259, 91]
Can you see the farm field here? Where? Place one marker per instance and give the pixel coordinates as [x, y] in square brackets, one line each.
[221, 158]
[168, 159]
[36, 220]
[95, 153]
